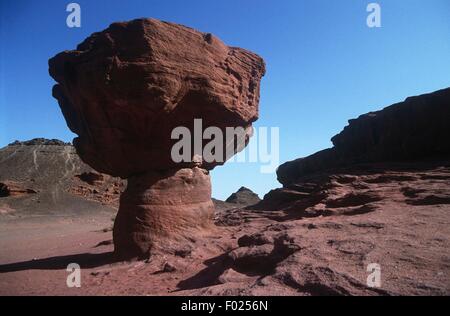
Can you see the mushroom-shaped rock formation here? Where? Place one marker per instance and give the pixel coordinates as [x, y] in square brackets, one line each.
[125, 89]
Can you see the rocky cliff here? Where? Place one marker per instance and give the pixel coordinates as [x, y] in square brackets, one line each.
[415, 129]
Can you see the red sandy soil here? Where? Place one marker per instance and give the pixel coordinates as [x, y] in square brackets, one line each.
[37, 252]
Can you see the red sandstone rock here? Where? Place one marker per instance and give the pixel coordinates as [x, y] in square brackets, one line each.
[125, 89]
[322, 240]
[415, 129]
[174, 204]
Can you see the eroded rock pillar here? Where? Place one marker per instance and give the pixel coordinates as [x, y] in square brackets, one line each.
[162, 208]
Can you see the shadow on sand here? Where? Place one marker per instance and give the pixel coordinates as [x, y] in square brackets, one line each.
[85, 260]
[208, 276]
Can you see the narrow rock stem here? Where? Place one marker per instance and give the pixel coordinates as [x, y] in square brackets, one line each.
[159, 208]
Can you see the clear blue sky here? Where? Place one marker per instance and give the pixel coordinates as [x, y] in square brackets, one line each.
[324, 65]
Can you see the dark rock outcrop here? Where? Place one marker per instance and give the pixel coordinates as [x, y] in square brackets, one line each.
[91, 178]
[40, 141]
[125, 89]
[10, 188]
[415, 129]
[243, 196]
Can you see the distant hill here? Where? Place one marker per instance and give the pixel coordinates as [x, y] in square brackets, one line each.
[242, 198]
[47, 177]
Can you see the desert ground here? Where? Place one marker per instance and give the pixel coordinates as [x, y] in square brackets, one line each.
[398, 219]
